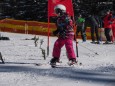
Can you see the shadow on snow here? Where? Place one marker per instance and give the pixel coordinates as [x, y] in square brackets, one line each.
[97, 75]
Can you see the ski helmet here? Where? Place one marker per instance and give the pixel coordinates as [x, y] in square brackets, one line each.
[59, 8]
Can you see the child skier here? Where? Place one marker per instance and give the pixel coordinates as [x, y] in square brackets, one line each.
[65, 36]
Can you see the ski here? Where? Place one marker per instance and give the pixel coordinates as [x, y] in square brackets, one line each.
[95, 42]
[66, 65]
[108, 43]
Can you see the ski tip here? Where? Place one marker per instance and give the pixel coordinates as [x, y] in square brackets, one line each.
[37, 64]
[80, 63]
[53, 66]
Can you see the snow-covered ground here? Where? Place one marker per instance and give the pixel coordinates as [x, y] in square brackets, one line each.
[21, 57]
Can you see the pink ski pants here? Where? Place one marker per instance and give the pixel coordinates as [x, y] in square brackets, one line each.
[69, 48]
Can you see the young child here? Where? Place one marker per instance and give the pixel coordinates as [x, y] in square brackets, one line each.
[65, 36]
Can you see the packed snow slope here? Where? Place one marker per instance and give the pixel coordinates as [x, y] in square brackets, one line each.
[25, 64]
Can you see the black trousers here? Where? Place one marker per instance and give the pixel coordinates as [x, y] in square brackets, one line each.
[83, 32]
[107, 34]
[94, 31]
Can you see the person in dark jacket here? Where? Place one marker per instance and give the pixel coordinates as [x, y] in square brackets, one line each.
[94, 23]
[81, 27]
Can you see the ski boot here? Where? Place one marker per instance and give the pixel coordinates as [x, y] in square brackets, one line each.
[53, 62]
[93, 42]
[108, 42]
[72, 62]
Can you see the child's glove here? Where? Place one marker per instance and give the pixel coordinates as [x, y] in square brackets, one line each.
[55, 32]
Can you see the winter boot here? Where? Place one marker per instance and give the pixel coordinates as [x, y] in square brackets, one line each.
[93, 42]
[108, 42]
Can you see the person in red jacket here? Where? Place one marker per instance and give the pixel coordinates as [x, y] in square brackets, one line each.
[108, 26]
[113, 29]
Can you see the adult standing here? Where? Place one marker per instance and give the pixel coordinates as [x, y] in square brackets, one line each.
[108, 26]
[81, 27]
[113, 29]
[95, 24]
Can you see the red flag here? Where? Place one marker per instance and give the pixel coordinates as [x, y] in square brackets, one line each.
[66, 3]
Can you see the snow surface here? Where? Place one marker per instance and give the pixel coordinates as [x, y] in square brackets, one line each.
[21, 57]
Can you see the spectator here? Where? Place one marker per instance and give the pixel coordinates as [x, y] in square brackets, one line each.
[113, 29]
[108, 26]
[95, 24]
[81, 27]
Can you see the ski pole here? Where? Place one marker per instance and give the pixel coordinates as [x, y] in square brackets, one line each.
[89, 49]
[1, 58]
[76, 41]
[74, 26]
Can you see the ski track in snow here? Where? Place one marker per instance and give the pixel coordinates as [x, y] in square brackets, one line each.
[21, 57]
